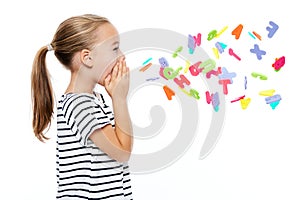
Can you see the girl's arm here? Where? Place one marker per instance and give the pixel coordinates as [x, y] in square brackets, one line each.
[117, 142]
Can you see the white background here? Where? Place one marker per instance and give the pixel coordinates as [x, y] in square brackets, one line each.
[257, 156]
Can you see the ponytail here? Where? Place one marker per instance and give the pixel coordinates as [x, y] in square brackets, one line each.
[42, 95]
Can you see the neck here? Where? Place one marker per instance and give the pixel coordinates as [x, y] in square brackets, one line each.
[80, 84]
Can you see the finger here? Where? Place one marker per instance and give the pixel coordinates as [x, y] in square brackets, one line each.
[115, 71]
[107, 81]
[127, 72]
[120, 66]
[124, 69]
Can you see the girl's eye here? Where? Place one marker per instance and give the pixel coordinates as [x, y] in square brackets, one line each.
[116, 49]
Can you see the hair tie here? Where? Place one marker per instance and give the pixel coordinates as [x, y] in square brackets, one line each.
[49, 47]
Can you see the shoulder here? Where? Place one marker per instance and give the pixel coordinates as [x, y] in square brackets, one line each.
[71, 101]
[103, 99]
[78, 97]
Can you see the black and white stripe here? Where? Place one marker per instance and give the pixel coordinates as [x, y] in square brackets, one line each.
[83, 170]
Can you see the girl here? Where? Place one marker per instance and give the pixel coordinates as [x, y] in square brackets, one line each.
[94, 142]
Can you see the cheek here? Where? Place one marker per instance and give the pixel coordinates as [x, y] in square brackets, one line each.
[112, 63]
[107, 70]
[103, 64]
[109, 60]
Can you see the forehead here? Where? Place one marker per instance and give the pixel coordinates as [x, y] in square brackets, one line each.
[107, 34]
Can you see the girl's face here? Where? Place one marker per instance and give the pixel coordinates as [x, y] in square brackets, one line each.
[106, 52]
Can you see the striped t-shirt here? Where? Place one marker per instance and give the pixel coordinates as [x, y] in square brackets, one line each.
[83, 170]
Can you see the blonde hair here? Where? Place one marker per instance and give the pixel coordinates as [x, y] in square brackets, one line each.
[73, 35]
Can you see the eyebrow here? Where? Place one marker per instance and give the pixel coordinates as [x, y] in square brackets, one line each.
[116, 42]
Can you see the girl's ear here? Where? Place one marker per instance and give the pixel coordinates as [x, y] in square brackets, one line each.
[85, 58]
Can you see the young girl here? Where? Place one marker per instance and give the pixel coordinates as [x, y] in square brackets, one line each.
[94, 141]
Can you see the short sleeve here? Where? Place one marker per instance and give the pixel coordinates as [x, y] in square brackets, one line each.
[85, 115]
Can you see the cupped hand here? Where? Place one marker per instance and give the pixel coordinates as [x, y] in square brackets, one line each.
[117, 83]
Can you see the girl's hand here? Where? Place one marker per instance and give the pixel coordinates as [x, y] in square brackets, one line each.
[117, 83]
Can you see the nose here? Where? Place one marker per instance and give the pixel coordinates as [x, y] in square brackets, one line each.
[121, 56]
